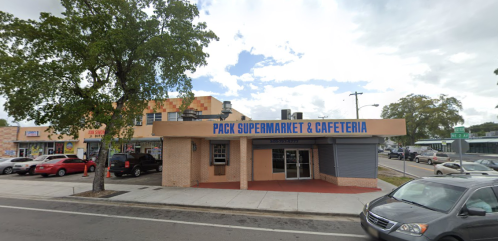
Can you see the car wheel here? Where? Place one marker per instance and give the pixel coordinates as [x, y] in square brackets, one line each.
[159, 168]
[91, 169]
[44, 175]
[417, 160]
[388, 156]
[429, 162]
[7, 170]
[21, 173]
[61, 172]
[136, 172]
[448, 239]
[439, 173]
[117, 174]
[32, 171]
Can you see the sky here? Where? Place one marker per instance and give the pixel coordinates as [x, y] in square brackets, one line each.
[309, 56]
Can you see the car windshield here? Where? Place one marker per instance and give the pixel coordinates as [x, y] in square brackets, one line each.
[40, 158]
[476, 167]
[431, 195]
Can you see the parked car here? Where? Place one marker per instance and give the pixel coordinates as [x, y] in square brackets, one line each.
[7, 164]
[413, 151]
[432, 157]
[396, 153]
[493, 164]
[29, 167]
[61, 167]
[468, 167]
[134, 164]
[447, 208]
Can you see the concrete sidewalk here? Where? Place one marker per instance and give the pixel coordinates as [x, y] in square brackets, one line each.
[265, 201]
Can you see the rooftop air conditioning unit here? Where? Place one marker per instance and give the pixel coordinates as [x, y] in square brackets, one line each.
[297, 115]
[286, 114]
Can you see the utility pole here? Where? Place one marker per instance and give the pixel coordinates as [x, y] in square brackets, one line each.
[356, 97]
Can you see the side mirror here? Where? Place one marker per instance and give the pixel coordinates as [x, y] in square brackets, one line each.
[476, 212]
[472, 211]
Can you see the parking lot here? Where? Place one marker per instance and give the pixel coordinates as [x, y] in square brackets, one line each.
[150, 178]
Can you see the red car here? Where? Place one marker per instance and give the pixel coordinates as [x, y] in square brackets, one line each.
[60, 167]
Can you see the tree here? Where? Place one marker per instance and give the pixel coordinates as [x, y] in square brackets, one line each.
[481, 129]
[3, 122]
[425, 117]
[99, 65]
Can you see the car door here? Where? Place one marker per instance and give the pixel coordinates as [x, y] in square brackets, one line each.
[152, 162]
[78, 165]
[480, 228]
[68, 165]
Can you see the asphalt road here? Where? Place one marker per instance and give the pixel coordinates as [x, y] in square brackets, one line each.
[417, 169]
[68, 220]
[422, 169]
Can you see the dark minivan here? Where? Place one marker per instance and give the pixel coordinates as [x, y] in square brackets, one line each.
[450, 208]
[134, 164]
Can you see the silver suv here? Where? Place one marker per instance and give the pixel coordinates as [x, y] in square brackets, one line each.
[432, 157]
[445, 208]
[29, 167]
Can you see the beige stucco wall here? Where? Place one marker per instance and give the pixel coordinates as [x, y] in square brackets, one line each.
[195, 170]
[177, 156]
[8, 135]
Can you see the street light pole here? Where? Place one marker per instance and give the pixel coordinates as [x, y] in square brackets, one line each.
[356, 97]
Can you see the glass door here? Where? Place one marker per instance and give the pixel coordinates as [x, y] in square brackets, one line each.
[291, 164]
[304, 164]
[297, 164]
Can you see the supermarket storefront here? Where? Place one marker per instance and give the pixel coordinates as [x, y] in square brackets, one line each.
[343, 152]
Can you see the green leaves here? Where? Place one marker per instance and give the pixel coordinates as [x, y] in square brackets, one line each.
[68, 71]
[425, 117]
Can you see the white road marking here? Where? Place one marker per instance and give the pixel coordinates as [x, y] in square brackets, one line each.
[187, 223]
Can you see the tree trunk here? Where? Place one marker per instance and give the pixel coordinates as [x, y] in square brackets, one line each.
[98, 180]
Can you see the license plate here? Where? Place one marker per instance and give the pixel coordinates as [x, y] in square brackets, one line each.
[373, 232]
[41, 167]
[112, 165]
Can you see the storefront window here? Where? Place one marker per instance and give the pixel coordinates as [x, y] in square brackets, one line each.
[59, 148]
[219, 154]
[93, 150]
[278, 160]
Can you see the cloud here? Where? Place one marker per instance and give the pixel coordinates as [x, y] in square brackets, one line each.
[461, 57]
[253, 87]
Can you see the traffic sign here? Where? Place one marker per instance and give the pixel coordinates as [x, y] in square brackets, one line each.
[455, 146]
[460, 135]
[459, 129]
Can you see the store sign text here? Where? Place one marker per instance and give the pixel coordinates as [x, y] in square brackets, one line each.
[290, 127]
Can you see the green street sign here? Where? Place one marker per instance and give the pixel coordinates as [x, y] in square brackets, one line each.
[459, 129]
[460, 135]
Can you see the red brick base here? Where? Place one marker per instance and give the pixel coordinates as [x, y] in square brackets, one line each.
[349, 181]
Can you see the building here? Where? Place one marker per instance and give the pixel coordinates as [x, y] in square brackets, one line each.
[343, 152]
[35, 141]
[476, 145]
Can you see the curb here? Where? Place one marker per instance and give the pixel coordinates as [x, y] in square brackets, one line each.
[408, 174]
[210, 207]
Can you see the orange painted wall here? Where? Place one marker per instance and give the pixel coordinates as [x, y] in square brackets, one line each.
[263, 165]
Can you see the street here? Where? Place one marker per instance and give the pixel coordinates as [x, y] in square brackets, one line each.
[422, 169]
[24, 219]
[413, 168]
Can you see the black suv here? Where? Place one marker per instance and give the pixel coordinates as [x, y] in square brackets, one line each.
[396, 153]
[134, 164]
[447, 208]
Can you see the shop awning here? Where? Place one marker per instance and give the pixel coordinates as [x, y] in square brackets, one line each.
[433, 142]
[491, 140]
[87, 140]
[43, 141]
